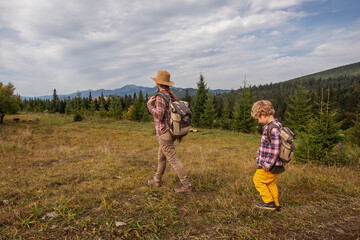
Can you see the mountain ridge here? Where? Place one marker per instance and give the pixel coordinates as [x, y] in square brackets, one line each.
[352, 69]
[129, 89]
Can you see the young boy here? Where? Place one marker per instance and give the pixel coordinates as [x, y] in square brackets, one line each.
[269, 164]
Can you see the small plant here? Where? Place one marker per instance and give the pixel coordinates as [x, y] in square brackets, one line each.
[27, 220]
[78, 118]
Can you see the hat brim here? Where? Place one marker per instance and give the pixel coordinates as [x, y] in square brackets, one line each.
[170, 83]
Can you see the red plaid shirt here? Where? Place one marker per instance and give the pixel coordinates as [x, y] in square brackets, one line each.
[161, 113]
[268, 153]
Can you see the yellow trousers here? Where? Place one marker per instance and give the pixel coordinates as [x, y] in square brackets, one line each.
[265, 183]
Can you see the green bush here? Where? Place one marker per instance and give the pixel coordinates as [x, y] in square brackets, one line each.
[78, 118]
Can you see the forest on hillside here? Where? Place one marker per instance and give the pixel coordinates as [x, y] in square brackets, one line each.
[344, 96]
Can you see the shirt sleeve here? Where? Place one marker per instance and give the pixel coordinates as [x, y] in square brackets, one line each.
[274, 148]
[159, 110]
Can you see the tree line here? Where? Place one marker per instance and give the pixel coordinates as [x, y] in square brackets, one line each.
[322, 113]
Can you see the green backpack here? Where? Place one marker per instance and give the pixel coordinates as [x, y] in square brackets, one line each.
[287, 147]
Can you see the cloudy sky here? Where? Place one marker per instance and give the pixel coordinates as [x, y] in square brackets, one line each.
[91, 44]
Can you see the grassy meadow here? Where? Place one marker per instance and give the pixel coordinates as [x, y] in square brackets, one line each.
[61, 179]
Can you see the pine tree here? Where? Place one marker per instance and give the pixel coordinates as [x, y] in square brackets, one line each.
[354, 132]
[92, 107]
[55, 102]
[78, 107]
[299, 113]
[102, 110]
[127, 101]
[187, 97]
[321, 136]
[226, 121]
[115, 108]
[243, 121]
[68, 108]
[199, 101]
[102, 101]
[139, 108]
[208, 117]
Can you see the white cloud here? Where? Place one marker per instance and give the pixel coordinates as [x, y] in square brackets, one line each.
[79, 45]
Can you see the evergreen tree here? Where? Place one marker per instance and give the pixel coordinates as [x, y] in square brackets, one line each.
[92, 107]
[115, 108]
[139, 108]
[136, 113]
[102, 110]
[199, 101]
[187, 97]
[127, 101]
[68, 108]
[55, 102]
[243, 121]
[102, 101]
[321, 136]
[78, 107]
[226, 121]
[354, 132]
[299, 112]
[208, 117]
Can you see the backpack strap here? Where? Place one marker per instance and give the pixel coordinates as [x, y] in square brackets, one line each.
[166, 100]
[164, 96]
[268, 130]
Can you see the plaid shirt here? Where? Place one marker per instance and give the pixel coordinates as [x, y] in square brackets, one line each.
[161, 113]
[268, 153]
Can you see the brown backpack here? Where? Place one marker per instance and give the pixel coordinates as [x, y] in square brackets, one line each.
[180, 117]
[287, 147]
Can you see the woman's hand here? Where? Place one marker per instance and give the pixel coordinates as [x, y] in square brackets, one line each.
[152, 99]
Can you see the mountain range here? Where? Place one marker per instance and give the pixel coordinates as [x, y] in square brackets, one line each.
[128, 90]
[346, 70]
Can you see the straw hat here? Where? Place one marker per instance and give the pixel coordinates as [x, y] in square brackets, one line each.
[163, 78]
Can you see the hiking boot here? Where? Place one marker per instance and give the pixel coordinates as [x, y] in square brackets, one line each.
[182, 189]
[153, 183]
[268, 206]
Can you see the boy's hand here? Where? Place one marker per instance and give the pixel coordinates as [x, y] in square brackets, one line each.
[263, 167]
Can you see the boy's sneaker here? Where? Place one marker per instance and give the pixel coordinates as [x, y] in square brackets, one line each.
[182, 189]
[268, 206]
[153, 183]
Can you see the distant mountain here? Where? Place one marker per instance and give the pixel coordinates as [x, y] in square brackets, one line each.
[349, 70]
[127, 90]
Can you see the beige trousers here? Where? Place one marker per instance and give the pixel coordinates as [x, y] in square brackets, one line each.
[167, 152]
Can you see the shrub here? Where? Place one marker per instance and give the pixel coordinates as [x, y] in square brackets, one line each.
[78, 117]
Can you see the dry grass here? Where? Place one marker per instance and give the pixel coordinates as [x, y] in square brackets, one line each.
[92, 173]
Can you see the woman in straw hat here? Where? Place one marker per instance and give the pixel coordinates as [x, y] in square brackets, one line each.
[167, 151]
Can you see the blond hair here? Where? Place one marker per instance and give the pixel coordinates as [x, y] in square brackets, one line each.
[262, 107]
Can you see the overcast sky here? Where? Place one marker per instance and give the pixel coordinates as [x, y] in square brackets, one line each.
[91, 44]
